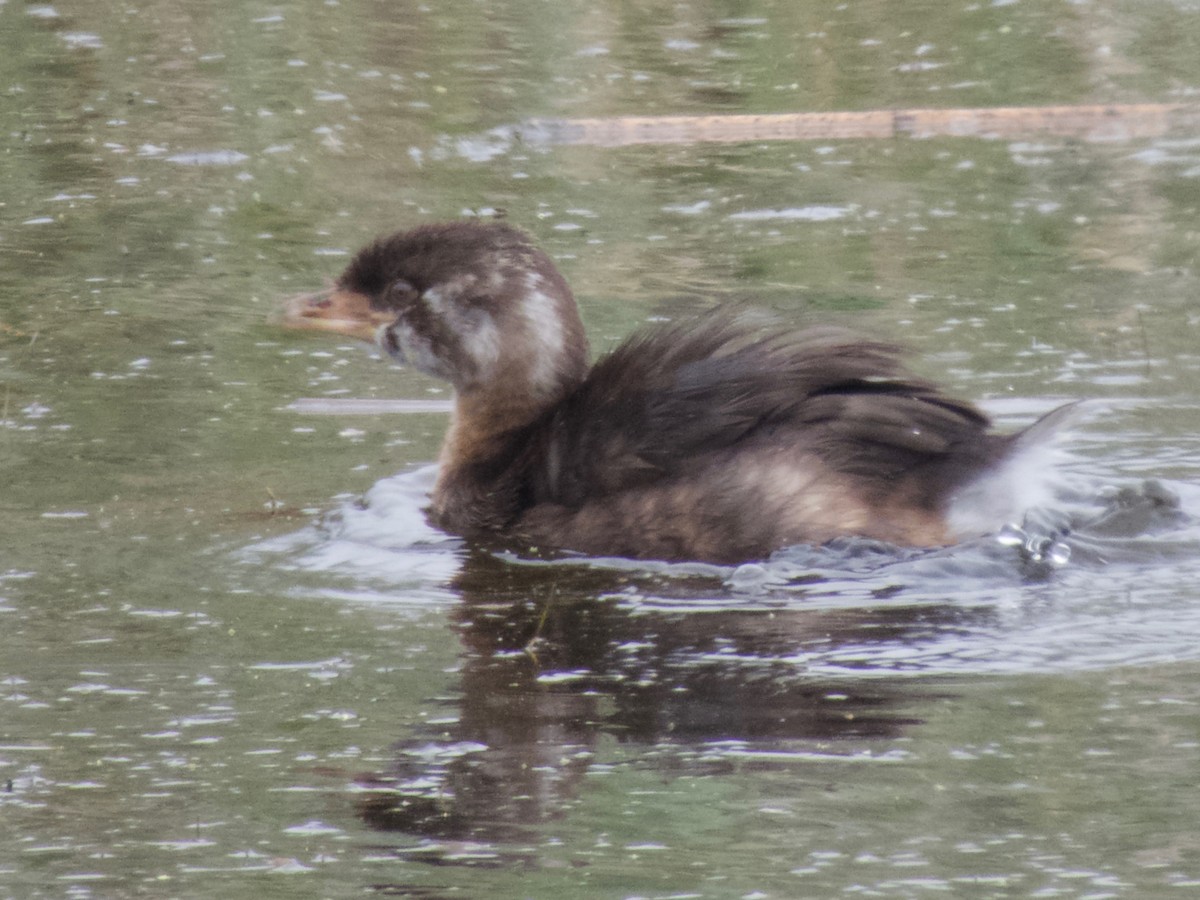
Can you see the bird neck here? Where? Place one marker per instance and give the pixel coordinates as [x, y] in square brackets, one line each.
[483, 463]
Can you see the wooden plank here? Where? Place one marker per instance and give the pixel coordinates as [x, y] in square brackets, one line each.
[1097, 122]
[1089, 123]
[624, 131]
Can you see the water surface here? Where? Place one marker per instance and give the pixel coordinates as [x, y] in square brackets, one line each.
[223, 674]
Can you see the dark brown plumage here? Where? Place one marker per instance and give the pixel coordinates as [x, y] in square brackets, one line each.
[719, 438]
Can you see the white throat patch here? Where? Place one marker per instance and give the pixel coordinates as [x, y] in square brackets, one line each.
[544, 323]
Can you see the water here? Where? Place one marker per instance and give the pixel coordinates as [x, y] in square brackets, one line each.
[223, 675]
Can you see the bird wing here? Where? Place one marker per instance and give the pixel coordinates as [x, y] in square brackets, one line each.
[669, 399]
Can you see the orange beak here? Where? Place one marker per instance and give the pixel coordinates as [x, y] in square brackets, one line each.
[337, 310]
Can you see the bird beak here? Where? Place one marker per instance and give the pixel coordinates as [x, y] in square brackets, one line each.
[338, 310]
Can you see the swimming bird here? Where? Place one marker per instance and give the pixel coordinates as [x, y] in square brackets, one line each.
[720, 437]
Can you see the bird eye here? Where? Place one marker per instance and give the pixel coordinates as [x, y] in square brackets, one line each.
[401, 293]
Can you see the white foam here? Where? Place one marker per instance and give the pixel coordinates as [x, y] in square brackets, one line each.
[385, 539]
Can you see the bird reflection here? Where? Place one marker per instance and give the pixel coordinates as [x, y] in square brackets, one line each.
[558, 658]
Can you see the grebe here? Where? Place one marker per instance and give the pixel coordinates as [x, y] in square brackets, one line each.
[717, 438]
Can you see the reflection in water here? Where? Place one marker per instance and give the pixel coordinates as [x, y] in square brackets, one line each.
[555, 662]
[699, 669]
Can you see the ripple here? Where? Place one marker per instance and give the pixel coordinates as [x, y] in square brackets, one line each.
[1090, 582]
[208, 158]
[794, 214]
